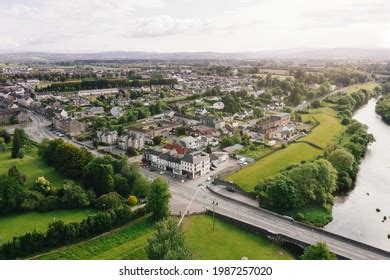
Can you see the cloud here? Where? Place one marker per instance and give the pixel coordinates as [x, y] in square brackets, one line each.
[164, 25]
[218, 25]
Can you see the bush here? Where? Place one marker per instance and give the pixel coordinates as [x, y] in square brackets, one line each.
[73, 196]
[133, 200]
[49, 203]
[59, 233]
[30, 200]
[42, 185]
[300, 217]
[109, 201]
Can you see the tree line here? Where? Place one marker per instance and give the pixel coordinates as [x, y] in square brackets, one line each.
[60, 234]
[89, 84]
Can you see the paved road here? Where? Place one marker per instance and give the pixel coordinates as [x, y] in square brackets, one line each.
[306, 104]
[192, 195]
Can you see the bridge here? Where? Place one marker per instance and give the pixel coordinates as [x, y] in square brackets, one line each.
[281, 229]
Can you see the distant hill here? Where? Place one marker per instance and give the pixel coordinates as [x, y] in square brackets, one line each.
[299, 54]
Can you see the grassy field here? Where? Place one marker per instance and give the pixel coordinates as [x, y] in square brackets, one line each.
[368, 86]
[248, 177]
[129, 242]
[31, 166]
[18, 224]
[227, 242]
[323, 134]
[126, 243]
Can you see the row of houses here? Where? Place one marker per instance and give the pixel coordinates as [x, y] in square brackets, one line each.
[192, 164]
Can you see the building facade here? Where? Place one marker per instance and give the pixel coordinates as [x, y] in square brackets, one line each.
[192, 165]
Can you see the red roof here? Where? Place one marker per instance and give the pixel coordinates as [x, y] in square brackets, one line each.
[179, 149]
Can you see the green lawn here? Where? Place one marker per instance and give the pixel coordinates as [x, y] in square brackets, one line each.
[248, 177]
[18, 224]
[126, 243]
[329, 127]
[227, 242]
[368, 86]
[31, 166]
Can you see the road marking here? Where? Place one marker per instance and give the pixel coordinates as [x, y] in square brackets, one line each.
[189, 204]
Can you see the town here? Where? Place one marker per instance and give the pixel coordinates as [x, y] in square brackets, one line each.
[223, 137]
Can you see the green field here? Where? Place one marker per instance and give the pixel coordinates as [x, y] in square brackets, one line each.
[129, 242]
[248, 177]
[368, 86]
[18, 224]
[31, 166]
[227, 242]
[125, 243]
[323, 134]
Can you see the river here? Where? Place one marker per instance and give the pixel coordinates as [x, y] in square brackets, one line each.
[355, 215]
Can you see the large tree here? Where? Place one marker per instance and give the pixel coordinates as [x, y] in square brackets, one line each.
[279, 193]
[20, 140]
[159, 197]
[318, 251]
[168, 243]
[99, 175]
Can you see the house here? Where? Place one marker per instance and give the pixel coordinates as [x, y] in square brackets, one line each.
[95, 111]
[116, 111]
[107, 137]
[233, 149]
[189, 142]
[98, 92]
[13, 116]
[133, 139]
[192, 165]
[201, 111]
[218, 106]
[69, 126]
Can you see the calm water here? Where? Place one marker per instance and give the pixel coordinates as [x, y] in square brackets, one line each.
[354, 215]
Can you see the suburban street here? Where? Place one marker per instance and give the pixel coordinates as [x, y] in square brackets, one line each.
[192, 196]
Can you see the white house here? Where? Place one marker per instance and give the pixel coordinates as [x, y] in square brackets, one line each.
[116, 111]
[218, 106]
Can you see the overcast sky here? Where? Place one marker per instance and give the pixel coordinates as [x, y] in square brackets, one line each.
[191, 25]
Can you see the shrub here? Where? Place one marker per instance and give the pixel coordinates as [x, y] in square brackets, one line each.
[73, 196]
[109, 201]
[49, 203]
[133, 200]
[30, 200]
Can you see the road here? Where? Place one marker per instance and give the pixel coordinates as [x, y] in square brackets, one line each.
[194, 197]
[306, 104]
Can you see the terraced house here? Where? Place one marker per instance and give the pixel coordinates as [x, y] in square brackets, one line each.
[193, 164]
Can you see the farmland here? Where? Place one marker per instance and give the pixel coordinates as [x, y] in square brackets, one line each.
[248, 177]
[329, 127]
[368, 86]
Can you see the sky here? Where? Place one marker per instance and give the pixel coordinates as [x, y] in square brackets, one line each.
[74, 26]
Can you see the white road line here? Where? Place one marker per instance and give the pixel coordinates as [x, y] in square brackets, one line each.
[189, 204]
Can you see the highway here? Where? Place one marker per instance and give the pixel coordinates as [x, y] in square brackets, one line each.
[194, 197]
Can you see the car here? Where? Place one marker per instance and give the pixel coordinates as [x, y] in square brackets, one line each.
[230, 189]
[161, 172]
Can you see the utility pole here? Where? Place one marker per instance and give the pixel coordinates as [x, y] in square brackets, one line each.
[215, 203]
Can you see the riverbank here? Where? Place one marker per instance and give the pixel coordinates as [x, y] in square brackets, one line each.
[354, 214]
